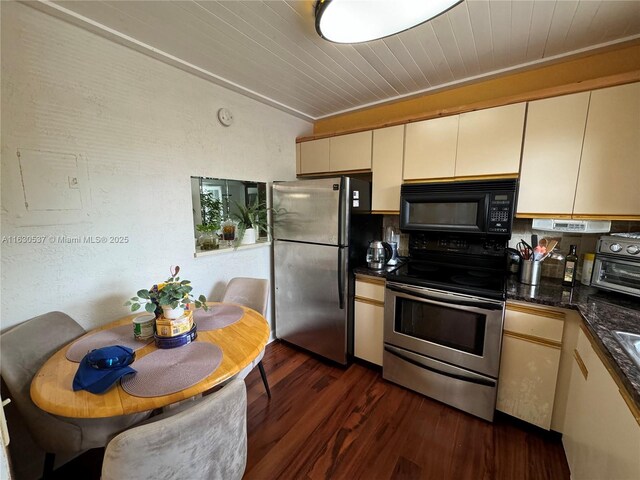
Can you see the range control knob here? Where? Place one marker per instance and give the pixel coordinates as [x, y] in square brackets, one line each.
[615, 247]
[633, 249]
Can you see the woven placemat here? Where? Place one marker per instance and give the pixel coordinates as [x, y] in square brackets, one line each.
[168, 371]
[122, 335]
[218, 316]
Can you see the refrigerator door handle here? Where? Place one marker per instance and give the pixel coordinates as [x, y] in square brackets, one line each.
[341, 278]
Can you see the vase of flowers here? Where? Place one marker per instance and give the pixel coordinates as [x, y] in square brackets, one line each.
[168, 299]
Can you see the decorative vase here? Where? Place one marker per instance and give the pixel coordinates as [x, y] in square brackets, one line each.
[172, 313]
[209, 241]
[249, 236]
[229, 231]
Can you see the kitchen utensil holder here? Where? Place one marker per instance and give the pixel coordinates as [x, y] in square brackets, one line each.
[530, 272]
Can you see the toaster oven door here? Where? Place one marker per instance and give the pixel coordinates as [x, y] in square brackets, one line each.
[616, 275]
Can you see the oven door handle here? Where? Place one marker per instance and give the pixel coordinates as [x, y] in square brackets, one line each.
[446, 298]
[465, 378]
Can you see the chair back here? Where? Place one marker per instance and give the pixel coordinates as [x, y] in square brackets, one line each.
[249, 292]
[208, 440]
[23, 350]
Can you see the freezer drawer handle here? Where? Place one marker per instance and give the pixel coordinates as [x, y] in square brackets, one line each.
[464, 378]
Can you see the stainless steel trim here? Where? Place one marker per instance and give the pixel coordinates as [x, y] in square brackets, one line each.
[444, 297]
[599, 282]
[468, 391]
[488, 364]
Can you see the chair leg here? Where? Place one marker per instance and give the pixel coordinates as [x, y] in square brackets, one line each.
[49, 459]
[264, 378]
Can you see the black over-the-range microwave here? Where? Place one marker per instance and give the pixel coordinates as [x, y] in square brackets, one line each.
[483, 207]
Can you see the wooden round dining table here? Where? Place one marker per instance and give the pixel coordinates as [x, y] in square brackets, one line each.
[51, 388]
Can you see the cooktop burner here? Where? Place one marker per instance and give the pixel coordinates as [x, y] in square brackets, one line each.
[489, 283]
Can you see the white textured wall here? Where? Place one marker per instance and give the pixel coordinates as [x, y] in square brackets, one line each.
[139, 129]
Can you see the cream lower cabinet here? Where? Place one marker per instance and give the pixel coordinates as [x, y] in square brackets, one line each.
[386, 167]
[530, 360]
[368, 319]
[601, 436]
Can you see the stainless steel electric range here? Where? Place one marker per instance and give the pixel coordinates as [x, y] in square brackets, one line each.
[444, 309]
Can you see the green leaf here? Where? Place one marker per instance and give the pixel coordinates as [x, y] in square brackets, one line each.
[143, 294]
[150, 307]
[135, 299]
[127, 303]
[184, 282]
[135, 306]
[202, 298]
[174, 304]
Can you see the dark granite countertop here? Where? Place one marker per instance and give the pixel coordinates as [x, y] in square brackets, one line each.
[602, 312]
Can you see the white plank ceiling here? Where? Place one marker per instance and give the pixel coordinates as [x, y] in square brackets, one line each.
[269, 50]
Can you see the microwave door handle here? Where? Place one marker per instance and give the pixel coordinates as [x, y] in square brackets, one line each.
[446, 299]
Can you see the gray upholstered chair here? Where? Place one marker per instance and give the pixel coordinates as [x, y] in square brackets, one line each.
[252, 293]
[203, 439]
[23, 350]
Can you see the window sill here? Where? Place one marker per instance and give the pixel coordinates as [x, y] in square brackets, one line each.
[205, 253]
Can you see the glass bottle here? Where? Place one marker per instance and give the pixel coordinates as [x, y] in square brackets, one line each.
[570, 264]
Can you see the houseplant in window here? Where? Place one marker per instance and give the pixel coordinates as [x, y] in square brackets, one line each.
[211, 221]
[168, 299]
[252, 219]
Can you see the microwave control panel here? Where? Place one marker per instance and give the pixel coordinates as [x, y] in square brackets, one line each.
[500, 212]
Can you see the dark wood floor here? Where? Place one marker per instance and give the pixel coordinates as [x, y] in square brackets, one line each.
[326, 422]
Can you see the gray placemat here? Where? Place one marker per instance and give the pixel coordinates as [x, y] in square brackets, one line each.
[168, 371]
[218, 316]
[122, 335]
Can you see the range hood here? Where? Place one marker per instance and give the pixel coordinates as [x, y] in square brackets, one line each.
[572, 226]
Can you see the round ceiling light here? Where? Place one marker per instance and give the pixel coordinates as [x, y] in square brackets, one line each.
[356, 21]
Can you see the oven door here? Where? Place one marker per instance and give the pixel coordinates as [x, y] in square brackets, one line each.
[617, 275]
[460, 212]
[458, 329]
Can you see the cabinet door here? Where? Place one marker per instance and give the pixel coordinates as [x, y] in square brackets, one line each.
[490, 141]
[529, 363]
[601, 437]
[351, 152]
[298, 168]
[386, 165]
[368, 328]
[608, 180]
[552, 149]
[314, 156]
[430, 148]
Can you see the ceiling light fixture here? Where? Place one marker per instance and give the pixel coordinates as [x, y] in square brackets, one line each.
[357, 21]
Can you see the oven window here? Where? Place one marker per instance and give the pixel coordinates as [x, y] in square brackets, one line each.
[444, 213]
[623, 274]
[450, 327]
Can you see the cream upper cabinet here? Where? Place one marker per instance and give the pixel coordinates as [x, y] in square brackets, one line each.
[601, 436]
[490, 141]
[430, 148]
[386, 166]
[314, 156]
[350, 152]
[552, 150]
[298, 168]
[609, 179]
[529, 364]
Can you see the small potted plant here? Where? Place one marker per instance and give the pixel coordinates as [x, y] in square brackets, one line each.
[251, 220]
[168, 299]
[211, 221]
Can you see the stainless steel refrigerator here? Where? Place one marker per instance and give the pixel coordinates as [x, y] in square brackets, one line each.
[322, 229]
